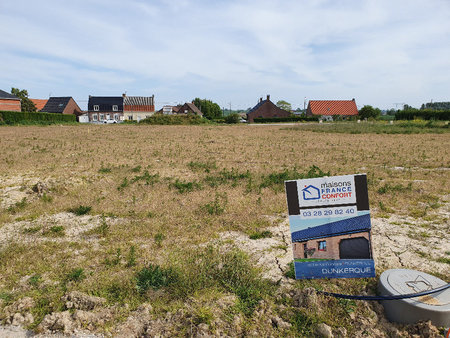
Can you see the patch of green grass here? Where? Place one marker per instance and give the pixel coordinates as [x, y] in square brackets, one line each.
[260, 234]
[184, 187]
[80, 210]
[55, 231]
[18, 206]
[136, 169]
[384, 208]
[290, 271]
[443, 260]
[202, 166]
[216, 207]
[32, 230]
[46, 198]
[159, 237]
[125, 183]
[398, 127]
[387, 188]
[303, 323]
[35, 280]
[203, 315]
[149, 179]
[75, 275]
[154, 277]
[225, 176]
[131, 258]
[104, 170]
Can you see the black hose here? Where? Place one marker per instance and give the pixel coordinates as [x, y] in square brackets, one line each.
[409, 295]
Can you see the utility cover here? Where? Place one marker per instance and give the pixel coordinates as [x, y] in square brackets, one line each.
[434, 307]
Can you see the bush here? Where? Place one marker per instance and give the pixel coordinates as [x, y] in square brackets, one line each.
[13, 118]
[285, 119]
[174, 119]
[232, 118]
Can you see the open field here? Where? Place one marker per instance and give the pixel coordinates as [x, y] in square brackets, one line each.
[182, 230]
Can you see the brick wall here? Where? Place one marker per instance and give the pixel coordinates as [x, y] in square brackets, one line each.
[72, 108]
[332, 243]
[10, 105]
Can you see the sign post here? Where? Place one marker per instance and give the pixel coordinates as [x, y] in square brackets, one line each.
[330, 227]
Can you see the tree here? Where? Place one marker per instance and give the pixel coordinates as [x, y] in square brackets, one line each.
[369, 112]
[284, 105]
[27, 104]
[209, 109]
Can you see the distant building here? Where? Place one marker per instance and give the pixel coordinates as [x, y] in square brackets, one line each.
[326, 109]
[39, 103]
[169, 110]
[101, 108]
[189, 109]
[9, 102]
[265, 109]
[62, 105]
[136, 108]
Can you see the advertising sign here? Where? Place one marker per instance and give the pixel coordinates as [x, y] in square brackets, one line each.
[329, 218]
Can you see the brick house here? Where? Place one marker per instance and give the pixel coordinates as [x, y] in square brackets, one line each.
[62, 105]
[136, 108]
[101, 108]
[326, 109]
[189, 109]
[345, 239]
[266, 108]
[9, 102]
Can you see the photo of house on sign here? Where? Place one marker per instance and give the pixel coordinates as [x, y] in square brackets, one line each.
[330, 226]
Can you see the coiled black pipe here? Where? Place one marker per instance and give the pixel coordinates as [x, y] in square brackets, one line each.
[377, 298]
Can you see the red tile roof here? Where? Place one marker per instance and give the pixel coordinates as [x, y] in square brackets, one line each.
[39, 103]
[332, 107]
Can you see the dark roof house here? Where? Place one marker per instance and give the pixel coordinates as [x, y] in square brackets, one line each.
[189, 108]
[332, 108]
[105, 104]
[266, 108]
[62, 105]
[9, 102]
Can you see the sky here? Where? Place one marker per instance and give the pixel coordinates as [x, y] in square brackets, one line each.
[383, 53]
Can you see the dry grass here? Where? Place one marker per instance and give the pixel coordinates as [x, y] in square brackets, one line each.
[165, 188]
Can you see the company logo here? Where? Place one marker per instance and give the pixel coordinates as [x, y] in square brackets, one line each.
[310, 192]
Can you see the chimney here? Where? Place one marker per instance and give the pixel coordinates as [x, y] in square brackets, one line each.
[124, 95]
[268, 97]
[260, 99]
[353, 99]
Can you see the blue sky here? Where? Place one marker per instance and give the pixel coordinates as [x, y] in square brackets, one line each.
[379, 52]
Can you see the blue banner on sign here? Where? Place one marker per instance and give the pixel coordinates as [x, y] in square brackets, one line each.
[342, 268]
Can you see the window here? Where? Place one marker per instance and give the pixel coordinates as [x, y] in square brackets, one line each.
[130, 117]
[96, 107]
[102, 117]
[94, 117]
[108, 116]
[115, 108]
[322, 246]
[116, 117]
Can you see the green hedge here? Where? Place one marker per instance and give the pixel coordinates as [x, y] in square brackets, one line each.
[14, 117]
[443, 115]
[285, 119]
[175, 119]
